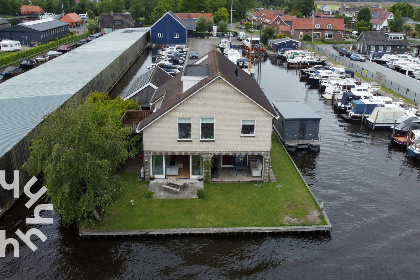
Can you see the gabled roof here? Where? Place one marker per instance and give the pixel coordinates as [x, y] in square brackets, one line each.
[307, 23]
[376, 9]
[108, 20]
[194, 15]
[154, 77]
[380, 38]
[379, 18]
[71, 17]
[288, 18]
[39, 25]
[27, 9]
[172, 14]
[219, 67]
[190, 24]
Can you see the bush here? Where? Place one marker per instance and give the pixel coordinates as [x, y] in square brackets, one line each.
[149, 194]
[201, 193]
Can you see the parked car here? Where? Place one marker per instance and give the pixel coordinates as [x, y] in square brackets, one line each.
[82, 42]
[341, 50]
[28, 63]
[63, 48]
[175, 59]
[194, 54]
[357, 57]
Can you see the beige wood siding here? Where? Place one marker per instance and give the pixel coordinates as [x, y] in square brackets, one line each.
[228, 107]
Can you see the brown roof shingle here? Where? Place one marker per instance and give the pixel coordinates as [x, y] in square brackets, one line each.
[307, 23]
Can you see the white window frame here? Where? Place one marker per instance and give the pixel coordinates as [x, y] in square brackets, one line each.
[329, 26]
[380, 48]
[329, 33]
[317, 25]
[388, 48]
[176, 35]
[160, 35]
[205, 120]
[248, 122]
[184, 120]
[316, 35]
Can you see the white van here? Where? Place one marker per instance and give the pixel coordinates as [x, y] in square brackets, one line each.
[83, 16]
[10, 46]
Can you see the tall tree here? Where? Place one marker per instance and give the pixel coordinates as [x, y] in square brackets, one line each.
[222, 26]
[304, 6]
[162, 7]
[79, 149]
[396, 24]
[194, 6]
[406, 9]
[416, 14]
[268, 32]
[362, 25]
[221, 14]
[364, 14]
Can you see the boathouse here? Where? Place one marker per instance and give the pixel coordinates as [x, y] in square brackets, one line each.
[168, 30]
[297, 125]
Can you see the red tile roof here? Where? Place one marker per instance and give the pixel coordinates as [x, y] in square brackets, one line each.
[193, 15]
[27, 9]
[71, 18]
[307, 23]
[287, 17]
[376, 9]
[382, 18]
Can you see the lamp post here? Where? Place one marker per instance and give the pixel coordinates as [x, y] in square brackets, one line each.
[313, 23]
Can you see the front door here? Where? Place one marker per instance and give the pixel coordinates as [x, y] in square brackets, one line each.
[302, 130]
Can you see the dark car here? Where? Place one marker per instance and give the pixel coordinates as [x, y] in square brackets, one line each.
[193, 54]
[357, 57]
[341, 51]
[28, 63]
[82, 42]
[175, 59]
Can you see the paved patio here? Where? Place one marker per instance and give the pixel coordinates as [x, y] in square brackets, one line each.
[190, 191]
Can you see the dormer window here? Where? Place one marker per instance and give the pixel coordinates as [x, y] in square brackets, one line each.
[117, 22]
[317, 25]
[329, 26]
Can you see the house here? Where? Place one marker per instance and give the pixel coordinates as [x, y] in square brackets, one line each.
[31, 10]
[144, 87]
[169, 29]
[110, 22]
[259, 15]
[322, 28]
[325, 9]
[190, 20]
[380, 19]
[214, 116]
[380, 41]
[42, 31]
[72, 19]
[297, 125]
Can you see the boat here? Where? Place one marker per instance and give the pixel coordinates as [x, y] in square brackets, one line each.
[315, 79]
[385, 117]
[253, 45]
[335, 87]
[49, 15]
[224, 44]
[42, 57]
[413, 150]
[399, 136]
[304, 60]
[357, 93]
[28, 63]
[245, 64]
[232, 54]
[363, 108]
[11, 71]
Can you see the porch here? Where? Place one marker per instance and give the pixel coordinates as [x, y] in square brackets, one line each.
[189, 191]
[132, 118]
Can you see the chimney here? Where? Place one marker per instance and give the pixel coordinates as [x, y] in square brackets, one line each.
[236, 71]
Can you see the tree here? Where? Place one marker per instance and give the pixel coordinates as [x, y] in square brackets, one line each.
[417, 28]
[162, 7]
[222, 26]
[305, 7]
[396, 24]
[364, 14]
[406, 9]
[346, 18]
[363, 26]
[194, 6]
[268, 32]
[204, 25]
[93, 26]
[79, 149]
[416, 14]
[221, 14]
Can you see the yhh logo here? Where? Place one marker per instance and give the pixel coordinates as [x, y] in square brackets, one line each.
[33, 197]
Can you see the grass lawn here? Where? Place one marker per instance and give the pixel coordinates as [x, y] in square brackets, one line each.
[286, 202]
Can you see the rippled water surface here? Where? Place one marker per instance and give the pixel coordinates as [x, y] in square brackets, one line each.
[371, 194]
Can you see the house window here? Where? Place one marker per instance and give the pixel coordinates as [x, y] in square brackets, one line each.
[184, 129]
[388, 48]
[176, 35]
[117, 22]
[381, 49]
[157, 165]
[160, 35]
[207, 128]
[329, 26]
[248, 128]
[338, 32]
[372, 48]
[329, 35]
[317, 35]
[196, 165]
[317, 25]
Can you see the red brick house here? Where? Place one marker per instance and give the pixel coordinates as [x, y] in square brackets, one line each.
[31, 9]
[322, 28]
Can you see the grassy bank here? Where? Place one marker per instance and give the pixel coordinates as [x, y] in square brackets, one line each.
[286, 202]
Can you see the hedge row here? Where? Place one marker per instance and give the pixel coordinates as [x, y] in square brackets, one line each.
[18, 56]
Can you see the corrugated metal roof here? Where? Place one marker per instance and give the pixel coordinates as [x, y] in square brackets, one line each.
[26, 98]
[295, 110]
[41, 24]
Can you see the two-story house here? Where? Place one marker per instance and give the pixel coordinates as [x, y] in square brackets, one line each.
[380, 19]
[110, 22]
[215, 115]
[169, 30]
[380, 41]
[321, 28]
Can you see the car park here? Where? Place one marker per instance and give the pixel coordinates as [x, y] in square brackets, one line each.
[193, 54]
[357, 57]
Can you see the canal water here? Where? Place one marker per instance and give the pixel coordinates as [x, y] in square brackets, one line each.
[371, 194]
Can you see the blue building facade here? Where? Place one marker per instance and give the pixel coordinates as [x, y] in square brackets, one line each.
[168, 30]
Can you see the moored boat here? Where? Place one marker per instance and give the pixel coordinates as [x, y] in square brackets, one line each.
[28, 63]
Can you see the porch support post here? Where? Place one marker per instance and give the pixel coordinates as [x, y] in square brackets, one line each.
[266, 169]
[207, 165]
[146, 164]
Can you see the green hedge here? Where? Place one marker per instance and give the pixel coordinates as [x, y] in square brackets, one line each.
[18, 56]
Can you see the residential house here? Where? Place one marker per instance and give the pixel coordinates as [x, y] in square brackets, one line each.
[380, 41]
[31, 10]
[260, 15]
[380, 20]
[42, 31]
[325, 9]
[72, 19]
[190, 20]
[322, 28]
[144, 87]
[168, 30]
[214, 115]
[110, 22]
